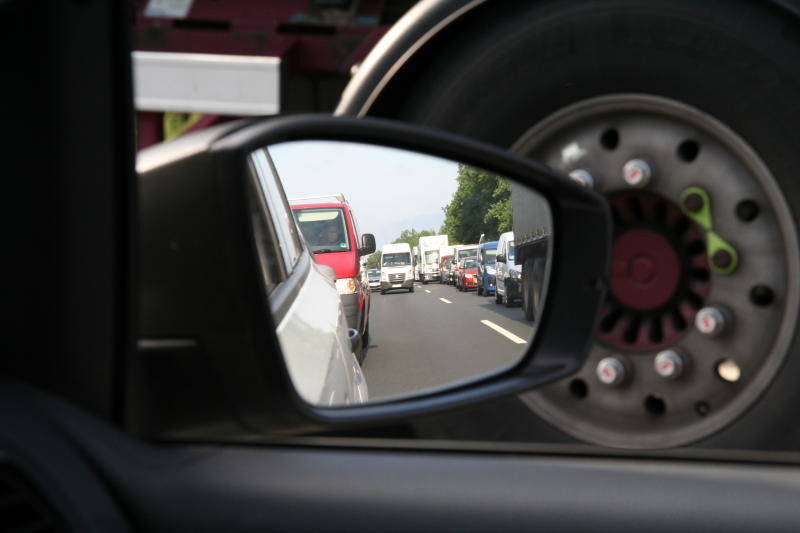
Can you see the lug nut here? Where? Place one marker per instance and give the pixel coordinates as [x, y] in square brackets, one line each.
[637, 173]
[728, 370]
[669, 364]
[722, 259]
[610, 371]
[582, 177]
[693, 202]
[710, 321]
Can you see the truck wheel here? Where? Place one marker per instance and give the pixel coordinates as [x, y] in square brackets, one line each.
[365, 341]
[479, 290]
[707, 108]
[411, 289]
[508, 301]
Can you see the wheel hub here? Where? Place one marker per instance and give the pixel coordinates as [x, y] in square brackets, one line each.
[675, 382]
[645, 271]
[659, 276]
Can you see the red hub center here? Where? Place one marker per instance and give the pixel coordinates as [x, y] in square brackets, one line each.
[660, 275]
[646, 270]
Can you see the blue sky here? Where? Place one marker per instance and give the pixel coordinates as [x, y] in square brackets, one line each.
[389, 189]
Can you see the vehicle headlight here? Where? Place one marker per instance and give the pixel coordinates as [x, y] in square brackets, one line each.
[347, 285]
[490, 270]
[514, 274]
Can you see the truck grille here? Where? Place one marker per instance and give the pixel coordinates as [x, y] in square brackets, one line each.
[397, 278]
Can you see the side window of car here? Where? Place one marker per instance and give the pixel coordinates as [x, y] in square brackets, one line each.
[280, 213]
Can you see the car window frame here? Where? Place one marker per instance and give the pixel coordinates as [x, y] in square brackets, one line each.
[288, 238]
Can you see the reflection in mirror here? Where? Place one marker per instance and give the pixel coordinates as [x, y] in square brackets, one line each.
[428, 304]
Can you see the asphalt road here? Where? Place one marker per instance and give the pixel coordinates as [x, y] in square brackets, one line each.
[438, 336]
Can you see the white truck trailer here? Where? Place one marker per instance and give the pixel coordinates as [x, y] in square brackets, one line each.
[429, 257]
[531, 222]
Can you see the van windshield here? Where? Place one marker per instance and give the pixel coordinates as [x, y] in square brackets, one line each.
[466, 252]
[432, 257]
[325, 229]
[398, 259]
[488, 256]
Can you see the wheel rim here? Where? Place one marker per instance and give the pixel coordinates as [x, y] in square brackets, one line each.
[662, 276]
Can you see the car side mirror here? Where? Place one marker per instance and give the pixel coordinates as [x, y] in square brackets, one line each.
[230, 299]
[500, 258]
[367, 244]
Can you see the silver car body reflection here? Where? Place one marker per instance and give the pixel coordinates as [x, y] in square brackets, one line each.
[314, 339]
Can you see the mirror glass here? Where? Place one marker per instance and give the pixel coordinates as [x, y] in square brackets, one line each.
[431, 306]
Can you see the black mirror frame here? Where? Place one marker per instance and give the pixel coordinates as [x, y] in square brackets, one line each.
[267, 400]
[581, 252]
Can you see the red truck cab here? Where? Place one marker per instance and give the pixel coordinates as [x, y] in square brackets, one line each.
[330, 228]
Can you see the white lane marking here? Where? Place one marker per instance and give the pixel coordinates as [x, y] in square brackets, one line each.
[504, 332]
[426, 290]
[445, 300]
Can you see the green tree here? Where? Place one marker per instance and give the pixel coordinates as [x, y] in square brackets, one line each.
[481, 204]
[374, 259]
[500, 211]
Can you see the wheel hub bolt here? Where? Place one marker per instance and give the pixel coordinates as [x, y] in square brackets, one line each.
[610, 371]
[711, 321]
[637, 173]
[693, 202]
[582, 177]
[729, 371]
[722, 259]
[669, 364]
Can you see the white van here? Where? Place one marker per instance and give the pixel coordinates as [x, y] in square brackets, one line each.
[397, 269]
[507, 288]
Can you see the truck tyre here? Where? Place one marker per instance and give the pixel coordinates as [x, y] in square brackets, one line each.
[710, 104]
[365, 341]
[479, 288]
[507, 301]
[411, 289]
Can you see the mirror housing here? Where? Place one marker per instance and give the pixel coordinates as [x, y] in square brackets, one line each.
[207, 353]
[367, 244]
[500, 258]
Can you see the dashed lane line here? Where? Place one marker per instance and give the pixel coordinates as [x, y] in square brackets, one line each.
[426, 290]
[445, 300]
[504, 332]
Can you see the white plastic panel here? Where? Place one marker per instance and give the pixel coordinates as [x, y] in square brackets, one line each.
[206, 83]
